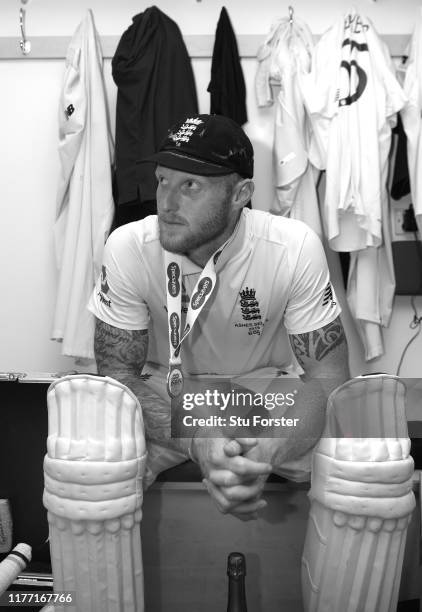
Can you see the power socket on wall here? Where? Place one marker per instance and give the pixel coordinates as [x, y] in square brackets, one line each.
[403, 223]
[398, 217]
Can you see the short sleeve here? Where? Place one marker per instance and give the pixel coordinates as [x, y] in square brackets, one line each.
[119, 296]
[312, 302]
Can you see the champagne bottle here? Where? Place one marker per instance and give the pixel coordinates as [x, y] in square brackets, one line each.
[236, 571]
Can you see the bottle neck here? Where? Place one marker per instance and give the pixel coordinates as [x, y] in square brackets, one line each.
[237, 595]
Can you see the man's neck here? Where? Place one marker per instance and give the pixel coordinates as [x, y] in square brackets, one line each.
[202, 254]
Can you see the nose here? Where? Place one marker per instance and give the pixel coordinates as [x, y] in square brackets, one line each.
[166, 199]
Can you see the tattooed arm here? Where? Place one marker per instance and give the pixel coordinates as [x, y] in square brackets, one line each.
[322, 353]
[121, 354]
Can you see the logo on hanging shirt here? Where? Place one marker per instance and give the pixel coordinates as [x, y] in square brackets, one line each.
[69, 111]
[328, 296]
[184, 133]
[356, 79]
[104, 288]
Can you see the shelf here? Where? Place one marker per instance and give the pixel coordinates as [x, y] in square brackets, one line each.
[198, 45]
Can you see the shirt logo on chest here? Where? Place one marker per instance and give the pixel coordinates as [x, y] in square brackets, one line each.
[250, 311]
[249, 305]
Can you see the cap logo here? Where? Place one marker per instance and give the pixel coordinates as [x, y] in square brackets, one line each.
[184, 133]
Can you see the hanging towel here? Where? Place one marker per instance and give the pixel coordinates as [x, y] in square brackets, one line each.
[284, 55]
[412, 118]
[352, 95]
[84, 199]
[156, 87]
[227, 86]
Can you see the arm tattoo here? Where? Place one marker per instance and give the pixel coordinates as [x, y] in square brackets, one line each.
[119, 349]
[317, 344]
[121, 354]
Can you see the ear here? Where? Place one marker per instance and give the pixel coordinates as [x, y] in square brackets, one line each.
[242, 193]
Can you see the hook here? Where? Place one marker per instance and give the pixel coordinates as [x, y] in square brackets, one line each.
[25, 45]
[291, 13]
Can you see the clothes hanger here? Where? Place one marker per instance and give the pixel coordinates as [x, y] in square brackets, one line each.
[24, 44]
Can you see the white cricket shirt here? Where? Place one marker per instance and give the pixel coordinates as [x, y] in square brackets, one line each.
[272, 278]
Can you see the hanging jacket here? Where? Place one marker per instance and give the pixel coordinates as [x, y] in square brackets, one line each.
[84, 199]
[156, 87]
[227, 85]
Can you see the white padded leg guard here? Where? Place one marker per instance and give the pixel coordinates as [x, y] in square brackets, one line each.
[361, 500]
[93, 472]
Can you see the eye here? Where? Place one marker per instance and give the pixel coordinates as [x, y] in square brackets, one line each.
[160, 178]
[191, 185]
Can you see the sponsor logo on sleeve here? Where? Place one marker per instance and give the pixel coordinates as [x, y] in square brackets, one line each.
[104, 288]
[328, 296]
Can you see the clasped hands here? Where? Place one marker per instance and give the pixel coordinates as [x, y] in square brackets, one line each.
[235, 471]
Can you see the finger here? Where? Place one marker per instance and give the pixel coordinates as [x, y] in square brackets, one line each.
[237, 446]
[242, 492]
[225, 478]
[225, 505]
[247, 443]
[249, 467]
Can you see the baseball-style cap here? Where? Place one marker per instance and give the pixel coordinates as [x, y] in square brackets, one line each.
[209, 145]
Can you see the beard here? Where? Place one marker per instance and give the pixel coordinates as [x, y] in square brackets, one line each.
[182, 238]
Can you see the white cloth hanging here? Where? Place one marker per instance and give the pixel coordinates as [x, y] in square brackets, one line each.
[412, 117]
[352, 95]
[84, 198]
[285, 53]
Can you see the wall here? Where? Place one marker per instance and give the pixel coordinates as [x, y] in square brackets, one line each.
[29, 160]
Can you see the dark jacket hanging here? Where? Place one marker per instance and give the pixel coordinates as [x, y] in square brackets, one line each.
[156, 87]
[227, 85]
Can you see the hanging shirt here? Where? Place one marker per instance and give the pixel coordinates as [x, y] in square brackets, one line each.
[227, 86]
[411, 116]
[153, 73]
[84, 200]
[244, 324]
[352, 95]
[285, 54]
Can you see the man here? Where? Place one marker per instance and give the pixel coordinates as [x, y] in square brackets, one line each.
[238, 289]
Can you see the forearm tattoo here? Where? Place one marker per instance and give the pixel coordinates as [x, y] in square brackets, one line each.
[317, 344]
[121, 354]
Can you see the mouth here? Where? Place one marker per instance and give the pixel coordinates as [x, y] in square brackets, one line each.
[170, 221]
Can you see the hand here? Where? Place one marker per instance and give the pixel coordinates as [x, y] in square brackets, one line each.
[234, 481]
